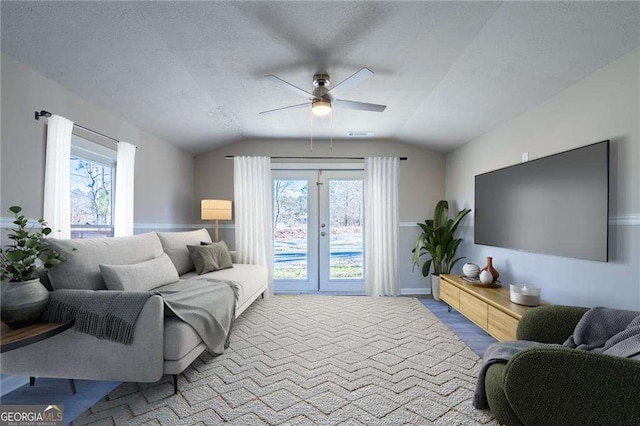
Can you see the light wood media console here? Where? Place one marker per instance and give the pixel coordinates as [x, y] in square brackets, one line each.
[490, 308]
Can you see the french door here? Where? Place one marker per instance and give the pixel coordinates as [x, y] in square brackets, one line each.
[318, 230]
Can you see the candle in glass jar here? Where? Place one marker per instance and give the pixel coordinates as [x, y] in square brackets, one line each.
[523, 295]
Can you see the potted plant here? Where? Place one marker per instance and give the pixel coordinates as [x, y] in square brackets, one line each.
[437, 241]
[23, 296]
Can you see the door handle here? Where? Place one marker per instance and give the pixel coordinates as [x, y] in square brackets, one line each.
[323, 233]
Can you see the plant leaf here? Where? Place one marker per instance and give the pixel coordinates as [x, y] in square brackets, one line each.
[441, 213]
[15, 255]
[52, 262]
[426, 267]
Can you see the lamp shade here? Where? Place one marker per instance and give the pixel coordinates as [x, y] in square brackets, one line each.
[215, 210]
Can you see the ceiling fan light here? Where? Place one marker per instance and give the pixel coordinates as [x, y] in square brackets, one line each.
[321, 107]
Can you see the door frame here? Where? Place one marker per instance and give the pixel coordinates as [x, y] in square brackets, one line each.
[312, 171]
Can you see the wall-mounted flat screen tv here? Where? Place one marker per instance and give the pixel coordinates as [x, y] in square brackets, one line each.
[556, 205]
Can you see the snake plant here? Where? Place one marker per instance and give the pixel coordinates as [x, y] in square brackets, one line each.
[438, 241]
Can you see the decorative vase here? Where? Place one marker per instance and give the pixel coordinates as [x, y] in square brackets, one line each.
[491, 269]
[22, 302]
[486, 277]
[435, 287]
[471, 270]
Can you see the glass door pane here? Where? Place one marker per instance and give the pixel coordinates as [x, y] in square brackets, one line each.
[342, 231]
[295, 231]
[345, 222]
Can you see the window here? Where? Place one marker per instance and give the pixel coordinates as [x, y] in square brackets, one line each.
[92, 189]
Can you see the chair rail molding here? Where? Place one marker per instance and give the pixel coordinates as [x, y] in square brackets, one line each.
[631, 219]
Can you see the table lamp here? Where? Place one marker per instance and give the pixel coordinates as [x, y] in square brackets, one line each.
[215, 210]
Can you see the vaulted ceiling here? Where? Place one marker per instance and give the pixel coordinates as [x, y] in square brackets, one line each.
[192, 72]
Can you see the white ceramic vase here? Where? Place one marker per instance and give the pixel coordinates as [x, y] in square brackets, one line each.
[435, 287]
[470, 270]
[486, 277]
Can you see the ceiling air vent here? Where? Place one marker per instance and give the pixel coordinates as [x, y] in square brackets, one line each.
[360, 134]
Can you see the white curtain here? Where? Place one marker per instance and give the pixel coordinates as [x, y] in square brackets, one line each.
[381, 177]
[57, 185]
[123, 210]
[252, 197]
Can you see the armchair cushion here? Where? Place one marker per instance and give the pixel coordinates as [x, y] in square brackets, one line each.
[572, 387]
[549, 324]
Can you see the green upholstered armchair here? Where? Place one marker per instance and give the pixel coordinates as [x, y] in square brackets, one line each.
[562, 386]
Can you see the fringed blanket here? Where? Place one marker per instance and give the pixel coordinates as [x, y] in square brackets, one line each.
[104, 314]
[207, 305]
[602, 330]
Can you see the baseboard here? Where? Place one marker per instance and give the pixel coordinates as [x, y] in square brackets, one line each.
[11, 383]
[414, 291]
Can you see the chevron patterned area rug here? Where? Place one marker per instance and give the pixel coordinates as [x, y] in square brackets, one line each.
[323, 360]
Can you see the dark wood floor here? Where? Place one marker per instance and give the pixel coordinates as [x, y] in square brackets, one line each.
[56, 391]
[475, 337]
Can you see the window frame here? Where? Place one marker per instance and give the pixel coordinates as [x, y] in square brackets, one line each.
[98, 155]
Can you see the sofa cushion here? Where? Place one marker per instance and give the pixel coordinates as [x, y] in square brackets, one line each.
[250, 279]
[179, 338]
[141, 276]
[82, 270]
[175, 245]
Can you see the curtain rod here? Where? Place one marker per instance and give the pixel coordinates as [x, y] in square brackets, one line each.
[230, 157]
[47, 114]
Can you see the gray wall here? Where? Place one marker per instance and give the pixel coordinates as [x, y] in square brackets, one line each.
[602, 106]
[421, 183]
[164, 174]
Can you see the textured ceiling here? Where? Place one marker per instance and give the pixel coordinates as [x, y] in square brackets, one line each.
[192, 72]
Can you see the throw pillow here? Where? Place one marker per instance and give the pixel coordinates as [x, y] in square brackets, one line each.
[203, 258]
[222, 254]
[143, 276]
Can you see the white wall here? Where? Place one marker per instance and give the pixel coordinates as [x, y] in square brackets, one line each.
[603, 106]
[164, 174]
[421, 184]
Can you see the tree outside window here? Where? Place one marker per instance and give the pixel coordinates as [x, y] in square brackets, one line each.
[91, 198]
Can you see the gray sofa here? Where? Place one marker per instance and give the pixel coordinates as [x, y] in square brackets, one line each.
[162, 344]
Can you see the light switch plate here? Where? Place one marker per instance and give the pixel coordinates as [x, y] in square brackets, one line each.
[525, 157]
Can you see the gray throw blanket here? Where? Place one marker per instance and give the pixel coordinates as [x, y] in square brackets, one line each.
[207, 305]
[104, 314]
[602, 330]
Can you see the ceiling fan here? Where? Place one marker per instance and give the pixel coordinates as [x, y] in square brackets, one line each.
[323, 99]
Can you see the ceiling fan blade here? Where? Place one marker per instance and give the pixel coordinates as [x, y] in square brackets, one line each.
[306, 104]
[362, 106]
[351, 82]
[287, 85]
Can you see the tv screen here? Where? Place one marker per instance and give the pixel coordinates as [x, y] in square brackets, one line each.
[556, 205]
